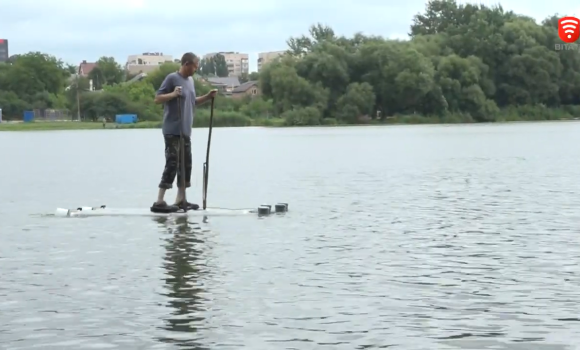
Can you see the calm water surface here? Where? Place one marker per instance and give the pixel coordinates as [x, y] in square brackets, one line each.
[415, 237]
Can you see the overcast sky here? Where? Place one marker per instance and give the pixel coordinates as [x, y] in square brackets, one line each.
[75, 30]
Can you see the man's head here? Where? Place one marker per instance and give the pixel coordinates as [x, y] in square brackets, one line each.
[189, 64]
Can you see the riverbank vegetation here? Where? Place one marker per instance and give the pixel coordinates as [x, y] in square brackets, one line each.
[462, 63]
[201, 122]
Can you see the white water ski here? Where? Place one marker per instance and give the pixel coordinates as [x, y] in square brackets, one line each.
[103, 211]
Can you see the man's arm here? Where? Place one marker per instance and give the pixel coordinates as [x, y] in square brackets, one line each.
[202, 99]
[166, 91]
[206, 97]
[165, 97]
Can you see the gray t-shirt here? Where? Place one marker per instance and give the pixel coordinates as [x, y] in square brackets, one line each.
[170, 108]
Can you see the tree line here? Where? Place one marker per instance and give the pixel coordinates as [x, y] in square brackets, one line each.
[462, 63]
[214, 66]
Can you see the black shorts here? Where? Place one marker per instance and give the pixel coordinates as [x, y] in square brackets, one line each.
[172, 162]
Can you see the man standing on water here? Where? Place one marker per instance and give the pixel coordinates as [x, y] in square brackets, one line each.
[178, 84]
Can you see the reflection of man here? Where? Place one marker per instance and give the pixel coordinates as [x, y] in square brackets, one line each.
[183, 269]
[178, 84]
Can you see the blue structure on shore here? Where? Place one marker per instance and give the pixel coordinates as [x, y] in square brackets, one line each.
[126, 118]
[28, 116]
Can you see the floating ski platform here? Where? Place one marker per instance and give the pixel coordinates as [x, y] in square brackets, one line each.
[262, 210]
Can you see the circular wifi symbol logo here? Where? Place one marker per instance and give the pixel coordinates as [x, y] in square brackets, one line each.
[569, 29]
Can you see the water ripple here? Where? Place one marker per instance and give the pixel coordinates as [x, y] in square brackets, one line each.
[457, 241]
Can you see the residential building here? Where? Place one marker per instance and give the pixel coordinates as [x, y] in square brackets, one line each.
[4, 56]
[249, 88]
[85, 68]
[225, 85]
[237, 63]
[146, 62]
[265, 57]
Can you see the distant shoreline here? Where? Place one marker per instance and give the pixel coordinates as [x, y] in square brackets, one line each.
[75, 125]
[275, 123]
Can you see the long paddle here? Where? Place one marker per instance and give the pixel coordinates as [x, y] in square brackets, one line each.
[182, 155]
[206, 164]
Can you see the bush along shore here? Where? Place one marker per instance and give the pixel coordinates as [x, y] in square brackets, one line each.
[462, 63]
[236, 120]
[89, 125]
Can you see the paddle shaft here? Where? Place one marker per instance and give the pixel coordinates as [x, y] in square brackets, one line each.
[181, 153]
[206, 164]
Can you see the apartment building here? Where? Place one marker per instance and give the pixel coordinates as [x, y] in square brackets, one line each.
[237, 63]
[265, 57]
[4, 56]
[146, 62]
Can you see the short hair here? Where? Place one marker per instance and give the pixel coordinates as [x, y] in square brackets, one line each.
[188, 57]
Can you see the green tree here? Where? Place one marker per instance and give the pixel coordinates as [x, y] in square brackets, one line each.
[106, 72]
[140, 94]
[71, 69]
[221, 68]
[302, 116]
[358, 101]
[281, 82]
[253, 76]
[12, 105]
[32, 80]
[36, 72]
[207, 67]
[214, 66]
[257, 107]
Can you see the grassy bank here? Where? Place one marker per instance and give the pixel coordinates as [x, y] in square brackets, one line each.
[74, 125]
[235, 119]
[68, 125]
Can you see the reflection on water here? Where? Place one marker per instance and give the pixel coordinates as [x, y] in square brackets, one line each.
[184, 288]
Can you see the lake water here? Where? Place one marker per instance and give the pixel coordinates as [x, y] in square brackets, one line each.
[402, 237]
